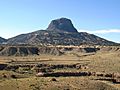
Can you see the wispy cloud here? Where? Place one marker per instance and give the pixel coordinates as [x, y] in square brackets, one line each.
[101, 31]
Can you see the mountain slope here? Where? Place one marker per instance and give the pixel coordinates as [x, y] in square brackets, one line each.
[59, 32]
[2, 40]
[59, 38]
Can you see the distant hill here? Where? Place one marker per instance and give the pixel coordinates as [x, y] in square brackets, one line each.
[2, 40]
[59, 32]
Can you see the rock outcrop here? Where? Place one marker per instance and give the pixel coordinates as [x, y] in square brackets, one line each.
[62, 25]
[18, 51]
[28, 50]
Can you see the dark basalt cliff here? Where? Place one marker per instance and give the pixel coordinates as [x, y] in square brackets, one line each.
[62, 24]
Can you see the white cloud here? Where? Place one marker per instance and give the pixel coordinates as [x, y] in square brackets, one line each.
[101, 31]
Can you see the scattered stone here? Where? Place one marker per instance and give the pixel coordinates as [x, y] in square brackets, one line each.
[40, 74]
[53, 79]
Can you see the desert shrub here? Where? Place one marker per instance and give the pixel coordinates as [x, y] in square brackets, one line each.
[4, 76]
[53, 79]
[13, 76]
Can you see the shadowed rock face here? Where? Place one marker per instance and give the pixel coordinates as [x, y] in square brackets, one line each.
[2, 40]
[62, 24]
[18, 51]
[28, 50]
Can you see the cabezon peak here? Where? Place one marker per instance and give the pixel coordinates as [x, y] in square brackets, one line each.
[62, 24]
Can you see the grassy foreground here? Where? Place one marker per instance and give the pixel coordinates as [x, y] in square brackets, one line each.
[107, 62]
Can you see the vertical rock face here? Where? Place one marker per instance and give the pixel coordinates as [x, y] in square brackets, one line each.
[62, 24]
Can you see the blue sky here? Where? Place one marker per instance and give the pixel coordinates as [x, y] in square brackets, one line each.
[100, 17]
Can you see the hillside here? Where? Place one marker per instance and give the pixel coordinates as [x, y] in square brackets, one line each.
[2, 40]
[59, 32]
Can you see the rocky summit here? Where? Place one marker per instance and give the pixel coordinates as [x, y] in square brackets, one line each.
[62, 24]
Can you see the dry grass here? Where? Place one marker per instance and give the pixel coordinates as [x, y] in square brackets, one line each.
[62, 83]
[108, 62]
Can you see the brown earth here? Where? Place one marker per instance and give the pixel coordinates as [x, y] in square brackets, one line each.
[32, 50]
[66, 67]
